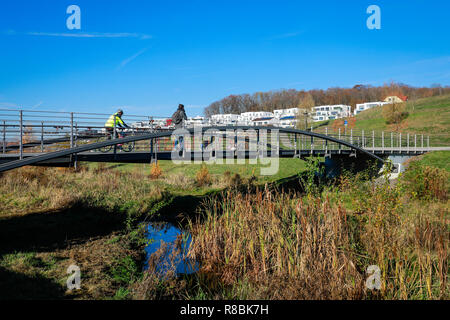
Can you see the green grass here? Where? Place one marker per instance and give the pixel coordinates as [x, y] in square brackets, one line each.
[437, 159]
[287, 167]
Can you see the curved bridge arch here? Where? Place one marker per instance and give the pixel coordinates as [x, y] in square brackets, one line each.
[67, 152]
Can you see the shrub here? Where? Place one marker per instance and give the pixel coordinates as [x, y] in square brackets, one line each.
[203, 177]
[394, 113]
[425, 182]
[155, 171]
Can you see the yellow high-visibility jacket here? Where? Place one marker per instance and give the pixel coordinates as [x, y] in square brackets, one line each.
[110, 122]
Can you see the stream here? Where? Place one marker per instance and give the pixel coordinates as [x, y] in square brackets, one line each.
[163, 232]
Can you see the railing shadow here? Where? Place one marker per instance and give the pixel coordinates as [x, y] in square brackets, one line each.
[42, 232]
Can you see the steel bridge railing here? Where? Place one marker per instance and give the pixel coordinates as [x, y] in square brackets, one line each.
[32, 131]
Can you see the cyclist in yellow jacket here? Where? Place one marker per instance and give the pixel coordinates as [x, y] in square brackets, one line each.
[117, 117]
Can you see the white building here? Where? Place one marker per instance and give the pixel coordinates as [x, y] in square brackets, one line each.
[246, 118]
[196, 121]
[322, 113]
[265, 121]
[286, 112]
[224, 119]
[287, 122]
[360, 107]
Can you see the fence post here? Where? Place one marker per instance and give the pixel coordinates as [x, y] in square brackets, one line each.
[21, 135]
[392, 142]
[76, 135]
[42, 136]
[339, 135]
[312, 141]
[415, 143]
[422, 143]
[151, 150]
[295, 141]
[382, 141]
[362, 138]
[4, 136]
[114, 135]
[373, 140]
[400, 142]
[428, 142]
[351, 136]
[407, 142]
[71, 130]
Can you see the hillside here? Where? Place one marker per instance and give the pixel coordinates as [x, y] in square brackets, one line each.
[427, 116]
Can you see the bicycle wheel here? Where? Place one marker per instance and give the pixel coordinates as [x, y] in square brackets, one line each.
[104, 149]
[128, 147]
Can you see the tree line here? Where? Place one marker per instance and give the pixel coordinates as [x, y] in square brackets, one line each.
[291, 98]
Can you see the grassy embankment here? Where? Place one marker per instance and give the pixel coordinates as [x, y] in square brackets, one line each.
[52, 218]
[427, 116]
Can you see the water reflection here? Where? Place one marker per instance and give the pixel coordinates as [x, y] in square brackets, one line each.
[176, 244]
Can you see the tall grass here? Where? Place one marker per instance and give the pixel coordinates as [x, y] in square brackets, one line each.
[426, 182]
[292, 246]
[33, 189]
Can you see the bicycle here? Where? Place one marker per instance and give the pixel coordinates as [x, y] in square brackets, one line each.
[125, 147]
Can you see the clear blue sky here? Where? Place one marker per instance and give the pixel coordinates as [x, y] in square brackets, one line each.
[148, 56]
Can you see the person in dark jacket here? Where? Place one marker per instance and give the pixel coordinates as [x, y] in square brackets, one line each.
[178, 120]
[179, 116]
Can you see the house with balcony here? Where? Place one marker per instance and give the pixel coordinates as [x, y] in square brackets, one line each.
[265, 121]
[246, 118]
[286, 112]
[360, 107]
[287, 122]
[229, 119]
[196, 121]
[331, 112]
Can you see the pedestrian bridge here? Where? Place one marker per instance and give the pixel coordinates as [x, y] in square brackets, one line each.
[64, 139]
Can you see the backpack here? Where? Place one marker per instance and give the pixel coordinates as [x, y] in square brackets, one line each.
[176, 117]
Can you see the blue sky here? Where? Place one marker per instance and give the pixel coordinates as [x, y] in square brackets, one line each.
[148, 56]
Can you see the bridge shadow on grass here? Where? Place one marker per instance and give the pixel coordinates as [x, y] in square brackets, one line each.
[17, 286]
[43, 232]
